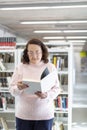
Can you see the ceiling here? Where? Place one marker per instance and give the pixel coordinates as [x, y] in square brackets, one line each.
[12, 18]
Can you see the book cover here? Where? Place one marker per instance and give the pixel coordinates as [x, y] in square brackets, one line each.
[45, 73]
[43, 85]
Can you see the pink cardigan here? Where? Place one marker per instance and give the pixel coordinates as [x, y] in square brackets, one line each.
[30, 106]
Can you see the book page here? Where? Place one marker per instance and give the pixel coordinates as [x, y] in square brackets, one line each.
[49, 81]
[43, 85]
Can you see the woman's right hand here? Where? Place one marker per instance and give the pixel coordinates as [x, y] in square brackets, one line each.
[21, 85]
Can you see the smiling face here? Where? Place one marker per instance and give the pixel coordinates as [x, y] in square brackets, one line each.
[34, 53]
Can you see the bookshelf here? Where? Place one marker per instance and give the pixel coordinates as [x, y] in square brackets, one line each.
[62, 58]
[79, 106]
[8, 62]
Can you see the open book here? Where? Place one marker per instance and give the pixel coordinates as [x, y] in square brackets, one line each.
[46, 82]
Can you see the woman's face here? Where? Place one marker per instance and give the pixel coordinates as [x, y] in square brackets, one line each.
[34, 53]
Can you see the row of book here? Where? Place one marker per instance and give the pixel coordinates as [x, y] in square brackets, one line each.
[6, 44]
[61, 115]
[5, 74]
[7, 57]
[63, 79]
[6, 61]
[60, 61]
[4, 82]
[7, 41]
[6, 101]
[61, 102]
[5, 78]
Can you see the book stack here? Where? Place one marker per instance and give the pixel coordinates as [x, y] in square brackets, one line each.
[5, 79]
[60, 62]
[6, 61]
[61, 102]
[6, 101]
[7, 42]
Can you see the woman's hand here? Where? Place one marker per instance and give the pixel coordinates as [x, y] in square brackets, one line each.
[21, 85]
[41, 95]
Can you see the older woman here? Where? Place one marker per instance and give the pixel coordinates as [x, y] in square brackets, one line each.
[33, 111]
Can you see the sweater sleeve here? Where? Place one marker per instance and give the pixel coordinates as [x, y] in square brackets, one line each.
[17, 76]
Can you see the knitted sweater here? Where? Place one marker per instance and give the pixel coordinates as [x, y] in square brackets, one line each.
[30, 106]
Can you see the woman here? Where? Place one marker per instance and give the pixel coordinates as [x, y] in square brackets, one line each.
[33, 111]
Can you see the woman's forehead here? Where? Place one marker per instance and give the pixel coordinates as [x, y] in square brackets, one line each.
[34, 47]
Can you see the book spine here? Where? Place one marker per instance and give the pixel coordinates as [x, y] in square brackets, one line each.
[55, 60]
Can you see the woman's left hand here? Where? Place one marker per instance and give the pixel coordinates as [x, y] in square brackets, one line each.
[41, 95]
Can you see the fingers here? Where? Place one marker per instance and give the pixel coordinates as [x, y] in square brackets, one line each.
[21, 85]
[41, 95]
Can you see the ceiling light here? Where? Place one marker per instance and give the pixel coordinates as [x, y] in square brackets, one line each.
[47, 31]
[79, 41]
[55, 42]
[73, 21]
[75, 31]
[39, 22]
[54, 22]
[24, 8]
[43, 7]
[53, 37]
[69, 37]
[60, 31]
[67, 41]
[76, 37]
